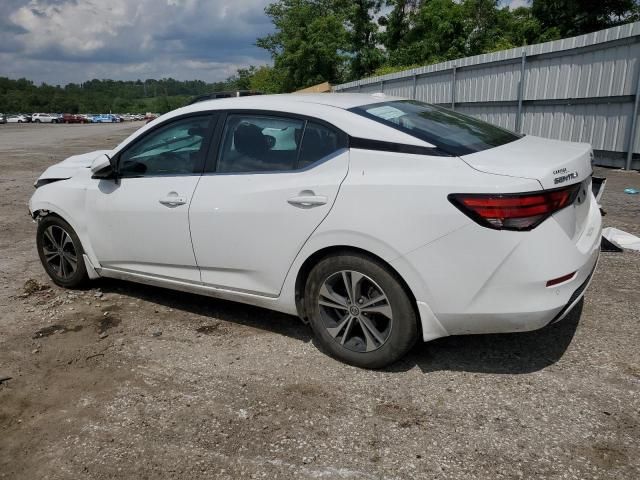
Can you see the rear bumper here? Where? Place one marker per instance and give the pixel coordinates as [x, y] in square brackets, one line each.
[576, 296]
[478, 280]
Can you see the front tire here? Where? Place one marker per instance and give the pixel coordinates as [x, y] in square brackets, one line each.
[61, 252]
[359, 311]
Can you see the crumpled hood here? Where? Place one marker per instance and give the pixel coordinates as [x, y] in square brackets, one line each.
[72, 165]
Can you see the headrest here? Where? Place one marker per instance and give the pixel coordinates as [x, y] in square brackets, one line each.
[249, 140]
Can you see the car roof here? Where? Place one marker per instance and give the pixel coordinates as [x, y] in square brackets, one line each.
[329, 107]
[339, 100]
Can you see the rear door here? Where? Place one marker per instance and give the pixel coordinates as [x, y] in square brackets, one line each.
[273, 179]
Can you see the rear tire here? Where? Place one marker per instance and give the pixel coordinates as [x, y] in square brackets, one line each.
[61, 252]
[359, 311]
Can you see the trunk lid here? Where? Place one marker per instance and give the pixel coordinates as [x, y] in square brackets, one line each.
[553, 163]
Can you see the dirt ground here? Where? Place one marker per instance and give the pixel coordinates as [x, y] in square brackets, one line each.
[127, 381]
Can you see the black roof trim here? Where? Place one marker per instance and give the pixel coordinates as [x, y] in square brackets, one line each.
[369, 144]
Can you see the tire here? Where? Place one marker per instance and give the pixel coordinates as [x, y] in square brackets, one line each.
[380, 302]
[37, 120]
[51, 235]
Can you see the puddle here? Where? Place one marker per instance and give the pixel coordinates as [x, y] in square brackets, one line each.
[107, 323]
[32, 286]
[208, 329]
[53, 329]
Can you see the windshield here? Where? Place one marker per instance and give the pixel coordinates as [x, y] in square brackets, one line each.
[450, 131]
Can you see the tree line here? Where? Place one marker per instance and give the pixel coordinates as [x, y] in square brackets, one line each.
[341, 40]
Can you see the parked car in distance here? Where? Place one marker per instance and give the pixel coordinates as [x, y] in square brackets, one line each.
[44, 118]
[150, 117]
[3, 118]
[73, 118]
[378, 220]
[16, 119]
[104, 118]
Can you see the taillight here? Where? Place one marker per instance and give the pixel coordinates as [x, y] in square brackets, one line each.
[514, 211]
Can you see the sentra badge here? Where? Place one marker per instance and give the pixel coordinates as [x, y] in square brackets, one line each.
[565, 178]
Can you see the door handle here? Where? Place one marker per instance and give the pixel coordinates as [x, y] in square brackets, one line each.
[173, 200]
[308, 199]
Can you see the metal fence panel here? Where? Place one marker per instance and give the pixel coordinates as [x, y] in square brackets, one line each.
[583, 88]
[488, 84]
[434, 88]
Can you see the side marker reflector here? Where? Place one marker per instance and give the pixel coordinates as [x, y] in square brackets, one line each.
[561, 279]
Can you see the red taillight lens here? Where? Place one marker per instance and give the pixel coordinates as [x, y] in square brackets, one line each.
[514, 211]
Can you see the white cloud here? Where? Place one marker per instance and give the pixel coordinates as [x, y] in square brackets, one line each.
[59, 41]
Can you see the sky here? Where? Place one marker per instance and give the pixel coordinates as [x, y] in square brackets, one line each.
[64, 41]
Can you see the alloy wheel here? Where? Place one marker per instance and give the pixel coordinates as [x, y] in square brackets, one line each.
[59, 252]
[355, 311]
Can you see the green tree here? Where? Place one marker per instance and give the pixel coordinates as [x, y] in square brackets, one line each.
[310, 43]
[363, 37]
[396, 23]
[575, 17]
[435, 32]
[267, 80]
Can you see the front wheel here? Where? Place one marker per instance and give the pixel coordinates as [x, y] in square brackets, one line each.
[359, 311]
[61, 252]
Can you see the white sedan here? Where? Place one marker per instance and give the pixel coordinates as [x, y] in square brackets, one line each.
[377, 220]
[16, 119]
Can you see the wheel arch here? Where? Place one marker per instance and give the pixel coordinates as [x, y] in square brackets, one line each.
[313, 259]
[40, 206]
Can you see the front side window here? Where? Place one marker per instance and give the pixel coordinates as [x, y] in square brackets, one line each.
[259, 143]
[450, 131]
[174, 149]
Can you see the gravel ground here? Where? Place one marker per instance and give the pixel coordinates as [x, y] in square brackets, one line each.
[128, 381]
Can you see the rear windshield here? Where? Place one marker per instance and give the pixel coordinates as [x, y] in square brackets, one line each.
[450, 131]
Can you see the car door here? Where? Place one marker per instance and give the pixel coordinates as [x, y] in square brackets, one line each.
[273, 179]
[139, 223]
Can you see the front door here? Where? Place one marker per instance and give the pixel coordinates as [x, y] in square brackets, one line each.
[140, 223]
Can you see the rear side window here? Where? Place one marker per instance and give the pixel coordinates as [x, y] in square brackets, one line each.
[450, 131]
[257, 143]
[318, 142]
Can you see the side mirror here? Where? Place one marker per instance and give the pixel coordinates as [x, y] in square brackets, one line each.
[102, 168]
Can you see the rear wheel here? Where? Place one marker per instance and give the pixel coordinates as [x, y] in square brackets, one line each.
[359, 311]
[61, 252]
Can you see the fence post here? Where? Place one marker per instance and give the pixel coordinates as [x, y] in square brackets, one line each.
[381, 86]
[634, 122]
[521, 91]
[453, 88]
[359, 86]
[415, 86]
